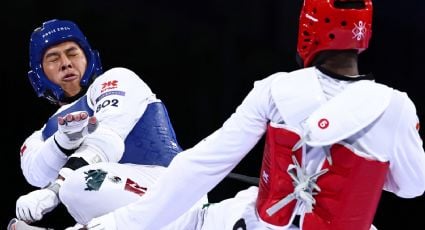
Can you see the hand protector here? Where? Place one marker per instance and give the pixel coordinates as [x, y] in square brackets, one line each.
[105, 222]
[16, 224]
[76, 227]
[34, 205]
[73, 127]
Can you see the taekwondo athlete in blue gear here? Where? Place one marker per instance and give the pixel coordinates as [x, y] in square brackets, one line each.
[130, 124]
[154, 125]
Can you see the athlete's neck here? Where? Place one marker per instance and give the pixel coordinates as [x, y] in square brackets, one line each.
[343, 64]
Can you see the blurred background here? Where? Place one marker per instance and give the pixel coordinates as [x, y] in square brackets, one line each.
[201, 58]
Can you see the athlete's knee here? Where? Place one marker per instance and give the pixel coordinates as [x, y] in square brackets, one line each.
[72, 188]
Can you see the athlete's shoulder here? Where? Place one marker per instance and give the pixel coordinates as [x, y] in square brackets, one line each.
[279, 75]
[399, 97]
[297, 77]
[267, 81]
[117, 72]
[403, 100]
[402, 108]
[116, 77]
[292, 74]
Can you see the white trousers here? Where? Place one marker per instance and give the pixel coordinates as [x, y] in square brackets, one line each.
[97, 189]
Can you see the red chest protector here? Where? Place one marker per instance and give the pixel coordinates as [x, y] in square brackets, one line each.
[349, 190]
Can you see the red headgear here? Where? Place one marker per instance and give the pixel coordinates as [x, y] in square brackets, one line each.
[333, 25]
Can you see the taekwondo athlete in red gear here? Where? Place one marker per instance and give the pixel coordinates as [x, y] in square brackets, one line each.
[110, 116]
[335, 139]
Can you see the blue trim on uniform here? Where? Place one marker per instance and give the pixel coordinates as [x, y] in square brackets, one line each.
[108, 93]
[52, 123]
[152, 140]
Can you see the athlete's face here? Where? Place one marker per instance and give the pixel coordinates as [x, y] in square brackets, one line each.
[64, 64]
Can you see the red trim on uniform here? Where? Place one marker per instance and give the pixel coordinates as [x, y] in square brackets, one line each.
[132, 186]
[23, 148]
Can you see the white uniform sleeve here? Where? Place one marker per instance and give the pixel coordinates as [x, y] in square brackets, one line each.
[196, 171]
[41, 160]
[407, 165]
[119, 98]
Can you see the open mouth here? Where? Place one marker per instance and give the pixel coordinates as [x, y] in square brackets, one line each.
[69, 77]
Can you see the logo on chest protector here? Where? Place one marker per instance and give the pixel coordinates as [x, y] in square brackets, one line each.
[94, 179]
[323, 123]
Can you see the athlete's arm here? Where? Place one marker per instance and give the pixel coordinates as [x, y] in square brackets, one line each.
[407, 172]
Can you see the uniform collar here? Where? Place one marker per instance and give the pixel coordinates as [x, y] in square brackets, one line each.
[343, 77]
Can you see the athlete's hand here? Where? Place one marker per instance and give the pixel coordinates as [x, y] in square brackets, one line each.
[75, 227]
[34, 205]
[105, 222]
[73, 127]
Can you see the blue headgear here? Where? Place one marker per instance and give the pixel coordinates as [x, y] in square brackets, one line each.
[52, 33]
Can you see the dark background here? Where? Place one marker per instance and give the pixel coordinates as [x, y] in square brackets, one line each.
[201, 58]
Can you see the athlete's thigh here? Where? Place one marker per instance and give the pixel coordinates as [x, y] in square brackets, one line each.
[96, 189]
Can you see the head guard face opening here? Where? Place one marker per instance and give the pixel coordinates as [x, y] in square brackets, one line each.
[333, 25]
[49, 34]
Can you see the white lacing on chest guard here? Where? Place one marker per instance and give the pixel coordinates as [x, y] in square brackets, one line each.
[303, 141]
[305, 188]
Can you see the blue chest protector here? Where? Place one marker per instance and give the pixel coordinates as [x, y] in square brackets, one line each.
[152, 140]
